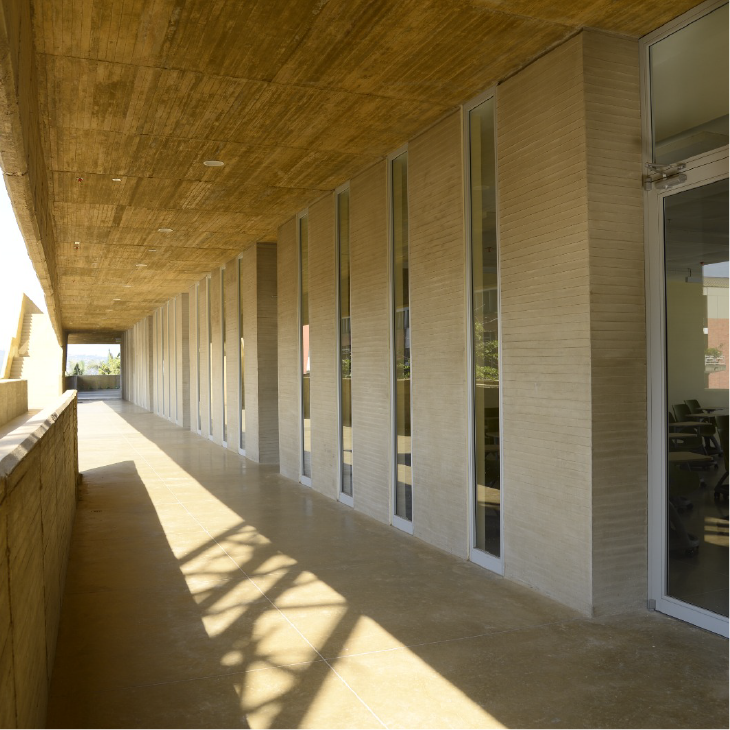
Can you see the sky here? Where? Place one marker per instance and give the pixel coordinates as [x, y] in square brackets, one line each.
[19, 277]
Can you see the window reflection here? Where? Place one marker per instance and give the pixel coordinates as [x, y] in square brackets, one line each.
[696, 270]
[241, 388]
[223, 351]
[343, 242]
[402, 336]
[210, 357]
[304, 310]
[689, 89]
[485, 314]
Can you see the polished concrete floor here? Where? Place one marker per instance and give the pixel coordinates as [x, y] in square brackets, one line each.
[206, 591]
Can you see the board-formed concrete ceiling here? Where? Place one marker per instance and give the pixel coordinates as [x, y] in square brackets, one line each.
[130, 97]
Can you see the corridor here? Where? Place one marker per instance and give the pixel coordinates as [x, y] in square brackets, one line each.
[204, 590]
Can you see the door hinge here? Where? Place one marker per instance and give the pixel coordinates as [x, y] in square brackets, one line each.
[662, 177]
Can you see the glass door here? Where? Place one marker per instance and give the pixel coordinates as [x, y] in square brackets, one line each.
[689, 418]
[685, 143]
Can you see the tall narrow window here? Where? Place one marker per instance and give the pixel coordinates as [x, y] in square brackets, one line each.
[197, 346]
[241, 388]
[174, 349]
[304, 345]
[210, 357]
[403, 496]
[156, 357]
[168, 330]
[163, 342]
[223, 351]
[485, 332]
[343, 258]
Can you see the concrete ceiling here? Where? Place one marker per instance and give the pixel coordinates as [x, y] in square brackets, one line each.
[294, 96]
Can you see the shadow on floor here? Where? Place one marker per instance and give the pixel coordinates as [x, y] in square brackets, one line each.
[128, 617]
[300, 602]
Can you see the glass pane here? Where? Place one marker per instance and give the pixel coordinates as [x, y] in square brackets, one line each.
[241, 388]
[163, 349]
[689, 89]
[485, 310]
[304, 309]
[223, 348]
[343, 240]
[174, 349]
[197, 344]
[696, 270]
[402, 344]
[210, 358]
[168, 331]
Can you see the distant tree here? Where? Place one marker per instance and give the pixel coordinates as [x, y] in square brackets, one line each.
[111, 366]
[77, 369]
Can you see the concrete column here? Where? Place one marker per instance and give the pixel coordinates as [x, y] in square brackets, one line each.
[370, 317]
[438, 336]
[259, 285]
[323, 347]
[571, 256]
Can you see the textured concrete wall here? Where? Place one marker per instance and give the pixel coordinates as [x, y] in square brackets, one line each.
[92, 382]
[259, 282]
[137, 362]
[543, 225]
[618, 325]
[267, 355]
[370, 316]
[574, 359]
[13, 399]
[323, 344]
[37, 507]
[438, 336]
[288, 351]
[251, 373]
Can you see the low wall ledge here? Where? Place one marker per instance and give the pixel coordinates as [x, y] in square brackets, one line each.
[42, 422]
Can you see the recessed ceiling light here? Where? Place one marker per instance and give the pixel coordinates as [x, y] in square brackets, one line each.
[116, 179]
[127, 286]
[77, 243]
[152, 250]
[164, 230]
[214, 163]
[116, 299]
[140, 264]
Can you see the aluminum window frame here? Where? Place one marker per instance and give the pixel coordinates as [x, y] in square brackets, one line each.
[701, 170]
[398, 522]
[306, 481]
[480, 557]
[223, 343]
[347, 499]
[241, 363]
[209, 351]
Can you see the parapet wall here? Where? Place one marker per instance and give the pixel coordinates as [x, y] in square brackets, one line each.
[13, 399]
[84, 383]
[38, 480]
